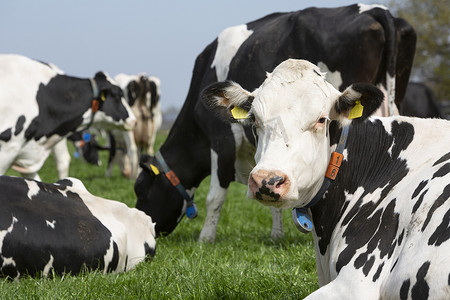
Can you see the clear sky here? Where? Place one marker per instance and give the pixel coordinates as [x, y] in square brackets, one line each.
[161, 38]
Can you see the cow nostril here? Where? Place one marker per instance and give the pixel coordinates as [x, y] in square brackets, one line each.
[280, 181]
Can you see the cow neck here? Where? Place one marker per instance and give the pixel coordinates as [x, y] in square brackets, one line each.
[300, 215]
[191, 210]
[95, 102]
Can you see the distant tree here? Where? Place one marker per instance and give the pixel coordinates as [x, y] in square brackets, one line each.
[430, 19]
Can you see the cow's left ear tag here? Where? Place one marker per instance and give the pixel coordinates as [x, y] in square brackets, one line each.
[103, 96]
[154, 169]
[356, 111]
[239, 113]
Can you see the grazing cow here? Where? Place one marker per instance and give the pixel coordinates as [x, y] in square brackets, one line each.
[142, 93]
[420, 102]
[62, 228]
[40, 106]
[379, 206]
[352, 43]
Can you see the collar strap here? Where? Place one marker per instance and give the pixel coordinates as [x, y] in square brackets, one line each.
[191, 210]
[95, 103]
[300, 215]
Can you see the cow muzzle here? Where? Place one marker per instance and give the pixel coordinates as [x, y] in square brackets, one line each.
[268, 186]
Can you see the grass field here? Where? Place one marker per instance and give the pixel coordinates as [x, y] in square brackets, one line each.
[244, 263]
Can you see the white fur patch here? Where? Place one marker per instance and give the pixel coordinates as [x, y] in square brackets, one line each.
[228, 43]
[366, 7]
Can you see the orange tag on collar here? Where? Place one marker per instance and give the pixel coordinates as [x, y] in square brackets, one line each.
[334, 164]
[172, 178]
[95, 105]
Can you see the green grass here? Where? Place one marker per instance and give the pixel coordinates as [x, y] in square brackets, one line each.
[244, 263]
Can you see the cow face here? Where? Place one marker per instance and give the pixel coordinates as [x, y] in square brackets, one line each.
[157, 197]
[114, 111]
[291, 111]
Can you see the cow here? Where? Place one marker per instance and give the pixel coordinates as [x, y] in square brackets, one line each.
[58, 228]
[142, 93]
[375, 189]
[352, 43]
[420, 102]
[40, 106]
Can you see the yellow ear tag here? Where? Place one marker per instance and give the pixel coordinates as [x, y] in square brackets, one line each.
[154, 169]
[239, 113]
[356, 111]
[103, 96]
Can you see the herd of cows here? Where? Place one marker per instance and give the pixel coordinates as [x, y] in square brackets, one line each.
[289, 91]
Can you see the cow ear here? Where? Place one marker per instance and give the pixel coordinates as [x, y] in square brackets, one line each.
[358, 101]
[145, 162]
[228, 100]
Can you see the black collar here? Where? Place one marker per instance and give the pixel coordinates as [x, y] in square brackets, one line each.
[300, 214]
[191, 210]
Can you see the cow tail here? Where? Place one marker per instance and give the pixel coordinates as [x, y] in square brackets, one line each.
[386, 20]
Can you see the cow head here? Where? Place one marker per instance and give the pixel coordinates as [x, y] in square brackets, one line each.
[157, 197]
[291, 112]
[113, 110]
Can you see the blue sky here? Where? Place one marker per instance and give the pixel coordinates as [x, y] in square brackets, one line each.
[161, 38]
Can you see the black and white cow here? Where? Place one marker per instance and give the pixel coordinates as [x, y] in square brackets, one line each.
[382, 227]
[352, 43]
[142, 93]
[62, 228]
[40, 106]
[420, 102]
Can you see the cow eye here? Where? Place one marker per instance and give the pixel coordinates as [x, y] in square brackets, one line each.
[322, 120]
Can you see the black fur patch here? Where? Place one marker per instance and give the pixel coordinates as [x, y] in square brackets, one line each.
[19, 125]
[421, 290]
[6, 135]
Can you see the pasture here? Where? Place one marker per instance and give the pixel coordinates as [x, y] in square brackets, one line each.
[244, 263]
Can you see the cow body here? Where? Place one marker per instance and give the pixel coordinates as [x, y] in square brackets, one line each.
[62, 228]
[420, 102]
[40, 106]
[353, 43]
[381, 229]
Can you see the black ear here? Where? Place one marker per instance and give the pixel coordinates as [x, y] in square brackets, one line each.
[147, 163]
[359, 101]
[228, 100]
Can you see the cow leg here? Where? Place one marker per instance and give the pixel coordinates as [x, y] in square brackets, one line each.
[214, 202]
[62, 158]
[277, 223]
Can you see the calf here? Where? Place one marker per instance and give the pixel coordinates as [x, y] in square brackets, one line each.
[40, 106]
[375, 189]
[62, 228]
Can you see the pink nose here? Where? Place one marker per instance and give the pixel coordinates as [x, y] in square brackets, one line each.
[268, 185]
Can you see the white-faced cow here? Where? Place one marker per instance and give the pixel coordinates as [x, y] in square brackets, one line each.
[381, 224]
[355, 43]
[142, 93]
[40, 106]
[62, 228]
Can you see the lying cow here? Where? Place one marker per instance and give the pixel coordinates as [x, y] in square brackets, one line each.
[356, 43]
[381, 229]
[40, 106]
[62, 228]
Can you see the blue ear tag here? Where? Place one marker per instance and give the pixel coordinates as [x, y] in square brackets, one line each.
[191, 211]
[302, 220]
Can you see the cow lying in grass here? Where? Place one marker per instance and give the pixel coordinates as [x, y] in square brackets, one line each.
[62, 228]
[381, 227]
